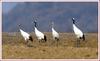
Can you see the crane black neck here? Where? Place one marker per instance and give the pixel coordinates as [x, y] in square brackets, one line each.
[73, 21]
[35, 24]
[19, 26]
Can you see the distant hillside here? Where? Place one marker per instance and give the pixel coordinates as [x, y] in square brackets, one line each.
[86, 15]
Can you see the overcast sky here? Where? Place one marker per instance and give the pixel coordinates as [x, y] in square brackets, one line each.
[8, 6]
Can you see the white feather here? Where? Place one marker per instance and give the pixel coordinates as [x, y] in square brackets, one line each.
[77, 31]
[39, 34]
[24, 34]
[54, 33]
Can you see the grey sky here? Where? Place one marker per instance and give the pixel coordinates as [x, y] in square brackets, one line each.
[8, 6]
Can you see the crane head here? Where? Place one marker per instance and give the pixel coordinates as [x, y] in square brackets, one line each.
[35, 21]
[52, 24]
[73, 19]
[19, 24]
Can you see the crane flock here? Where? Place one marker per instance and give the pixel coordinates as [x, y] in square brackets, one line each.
[42, 37]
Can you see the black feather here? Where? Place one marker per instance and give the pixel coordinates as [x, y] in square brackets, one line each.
[56, 38]
[30, 38]
[83, 37]
[45, 38]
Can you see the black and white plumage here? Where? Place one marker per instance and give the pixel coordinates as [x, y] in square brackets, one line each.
[25, 35]
[39, 35]
[79, 34]
[55, 34]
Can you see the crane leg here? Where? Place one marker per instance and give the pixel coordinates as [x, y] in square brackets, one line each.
[26, 42]
[57, 41]
[43, 40]
[39, 41]
[78, 43]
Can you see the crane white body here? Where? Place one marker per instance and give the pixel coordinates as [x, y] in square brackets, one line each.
[39, 34]
[77, 31]
[55, 34]
[24, 34]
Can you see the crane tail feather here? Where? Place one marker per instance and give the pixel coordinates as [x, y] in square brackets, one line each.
[56, 38]
[30, 38]
[45, 38]
[83, 37]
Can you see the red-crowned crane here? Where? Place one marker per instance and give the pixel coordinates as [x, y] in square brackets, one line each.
[79, 34]
[55, 34]
[25, 35]
[40, 36]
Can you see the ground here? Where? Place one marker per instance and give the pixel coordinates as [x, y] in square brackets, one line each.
[14, 47]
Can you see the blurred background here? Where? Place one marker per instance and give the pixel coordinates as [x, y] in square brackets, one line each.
[85, 13]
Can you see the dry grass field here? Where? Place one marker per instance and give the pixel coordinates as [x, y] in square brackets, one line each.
[14, 47]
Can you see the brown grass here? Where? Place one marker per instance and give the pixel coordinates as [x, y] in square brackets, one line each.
[14, 47]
